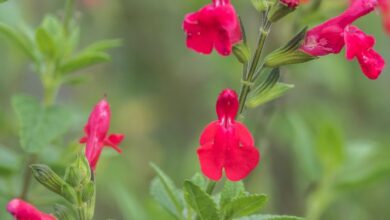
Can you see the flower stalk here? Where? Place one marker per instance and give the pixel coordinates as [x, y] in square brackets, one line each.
[251, 75]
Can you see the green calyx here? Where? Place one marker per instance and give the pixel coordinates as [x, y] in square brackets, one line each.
[290, 53]
[278, 11]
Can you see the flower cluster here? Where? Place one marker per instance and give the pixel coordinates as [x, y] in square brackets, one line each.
[96, 131]
[22, 210]
[227, 144]
[332, 35]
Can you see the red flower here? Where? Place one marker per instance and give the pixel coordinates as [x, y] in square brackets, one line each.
[290, 3]
[328, 37]
[96, 131]
[359, 45]
[22, 210]
[227, 144]
[215, 25]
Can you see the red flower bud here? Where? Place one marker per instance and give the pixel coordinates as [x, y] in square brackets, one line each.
[227, 144]
[359, 45]
[22, 210]
[214, 26]
[328, 37]
[96, 131]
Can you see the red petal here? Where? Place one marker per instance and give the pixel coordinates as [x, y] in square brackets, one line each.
[199, 36]
[209, 133]
[211, 161]
[240, 162]
[244, 135]
[113, 141]
[356, 41]
[371, 63]
[83, 140]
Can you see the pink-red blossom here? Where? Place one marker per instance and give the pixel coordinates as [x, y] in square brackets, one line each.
[96, 130]
[360, 46]
[290, 3]
[327, 37]
[227, 144]
[22, 210]
[215, 25]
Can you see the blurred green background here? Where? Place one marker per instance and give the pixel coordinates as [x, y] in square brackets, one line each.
[324, 145]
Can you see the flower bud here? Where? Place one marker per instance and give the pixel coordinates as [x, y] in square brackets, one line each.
[281, 9]
[290, 53]
[241, 52]
[88, 192]
[48, 178]
[53, 182]
[79, 172]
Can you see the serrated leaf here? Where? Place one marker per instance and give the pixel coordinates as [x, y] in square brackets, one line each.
[83, 60]
[244, 205]
[159, 193]
[275, 92]
[200, 201]
[170, 191]
[230, 191]
[271, 217]
[39, 125]
[19, 39]
[45, 42]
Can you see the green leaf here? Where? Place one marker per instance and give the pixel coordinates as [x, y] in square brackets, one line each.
[275, 92]
[165, 191]
[101, 46]
[39, 125]
[1, 1]
[199, 180]
[83, 60]
[270, 217]
[19, 39]
[230, 191]
[330, 146]
[128, 203]
[159, 193]
[244, 205]
[200, 201]
[45, 42]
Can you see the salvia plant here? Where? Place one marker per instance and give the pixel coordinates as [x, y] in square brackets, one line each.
[227, 151]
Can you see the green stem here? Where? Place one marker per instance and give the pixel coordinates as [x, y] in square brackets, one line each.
[245, 88]
[50, 94]
[32, 158]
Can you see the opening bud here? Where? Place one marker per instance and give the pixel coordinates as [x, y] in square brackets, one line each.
[281, 9]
